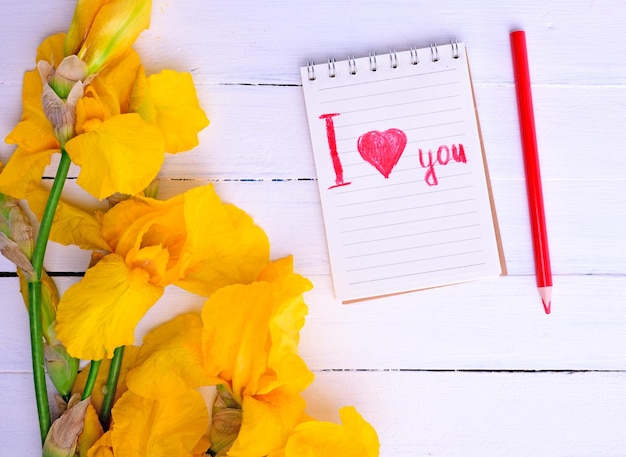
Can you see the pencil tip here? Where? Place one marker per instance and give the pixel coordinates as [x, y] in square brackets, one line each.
[546, 297]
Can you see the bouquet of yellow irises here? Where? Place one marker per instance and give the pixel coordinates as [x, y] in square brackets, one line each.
[226, 380]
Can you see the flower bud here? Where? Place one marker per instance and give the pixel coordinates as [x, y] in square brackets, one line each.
[16, 235]
[70, 71]
[62, 368]
[60, 107]
[225, 429]
[226, 422]
[103, 30]
[62, 438]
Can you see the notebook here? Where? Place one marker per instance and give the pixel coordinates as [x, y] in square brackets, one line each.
[402, 175]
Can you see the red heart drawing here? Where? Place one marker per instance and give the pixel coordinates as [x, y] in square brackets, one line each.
[382, 149]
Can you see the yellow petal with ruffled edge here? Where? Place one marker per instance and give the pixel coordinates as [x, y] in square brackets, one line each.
[288, 368]
[179, 116]
[33, 134]
[34, 131]
[90, 112]
[152, 259]
[109, 94]
[113, 30]
[125, 225]
[353, 438]
[123, 154]
[140, 222]
[267, 423]
[70, 225]
[35, 140]
[246, 340]
[235, 337]
[171, 426]
[22, 173]
[100, 312]
[223, 244]
[170, 359]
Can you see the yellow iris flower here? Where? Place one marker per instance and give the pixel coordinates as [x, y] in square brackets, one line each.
[124, 123]
[245, 340]
[250, 340]
[192, 240]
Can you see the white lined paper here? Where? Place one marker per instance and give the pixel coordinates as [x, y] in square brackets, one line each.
[421, 226]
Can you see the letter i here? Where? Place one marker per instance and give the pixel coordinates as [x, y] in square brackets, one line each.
[332, 145]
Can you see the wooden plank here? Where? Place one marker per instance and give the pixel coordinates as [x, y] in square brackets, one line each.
[430, 413]
[585, 237]
[207, 38]
[482, 414]
[495, 324]
[260, 132]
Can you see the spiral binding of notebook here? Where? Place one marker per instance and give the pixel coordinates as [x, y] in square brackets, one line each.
[401, 171]
[412, 58]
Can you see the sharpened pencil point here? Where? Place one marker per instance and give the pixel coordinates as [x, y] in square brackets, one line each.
[546, 297]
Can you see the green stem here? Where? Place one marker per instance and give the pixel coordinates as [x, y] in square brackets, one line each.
[34, 296]
[109, 396]
[39, 372]
[48, 214]
[91, 378]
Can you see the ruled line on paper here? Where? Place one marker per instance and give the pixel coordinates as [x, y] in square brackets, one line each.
[418, 273]
[413, 247]
[408, 222]
[410, 235]
[407, 209]
[395, 197]
[423, 259]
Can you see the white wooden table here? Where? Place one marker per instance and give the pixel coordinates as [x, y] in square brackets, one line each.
[475, 369]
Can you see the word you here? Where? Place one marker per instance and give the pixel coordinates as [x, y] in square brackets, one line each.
[382, 150]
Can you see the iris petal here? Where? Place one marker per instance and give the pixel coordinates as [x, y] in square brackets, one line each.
[223, 244]
[246, 341]
[123, 154]
[100, 312]
[170, 426]
[179, 115]
[170, 359]
[267, 423]
[353, 438]
[71, 225]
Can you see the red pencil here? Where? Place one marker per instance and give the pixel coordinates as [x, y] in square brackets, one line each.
[531, 165]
